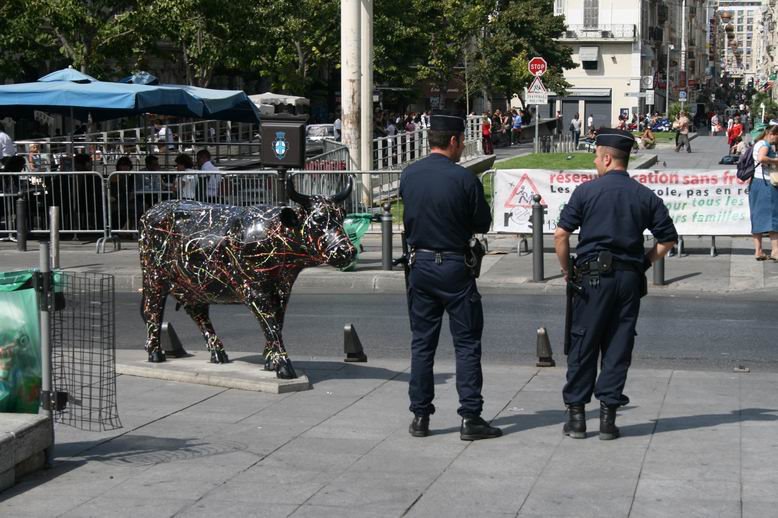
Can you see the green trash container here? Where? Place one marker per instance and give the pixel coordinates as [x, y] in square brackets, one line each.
[355, 225]
[20, 348]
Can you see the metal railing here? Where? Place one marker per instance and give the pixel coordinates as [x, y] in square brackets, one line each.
[563, 143]
[397, 151]
[600, 32]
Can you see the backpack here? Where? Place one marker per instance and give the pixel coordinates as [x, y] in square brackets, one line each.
[746, 165]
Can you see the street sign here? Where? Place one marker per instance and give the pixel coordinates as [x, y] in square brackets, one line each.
[634, 94]
[537, 66]
[537, 97]
[682, 96]
[649, 97]
[537, 86]
[647, 82]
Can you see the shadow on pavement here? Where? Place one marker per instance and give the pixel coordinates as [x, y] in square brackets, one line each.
[682, 277]
[674, 424]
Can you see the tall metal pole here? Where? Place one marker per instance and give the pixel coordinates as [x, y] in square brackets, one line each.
[683, 48]
[46, 381]
[667, 82]
[366, 46]
[350, 79]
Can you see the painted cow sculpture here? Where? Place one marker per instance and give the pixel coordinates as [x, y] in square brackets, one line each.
[207, 254]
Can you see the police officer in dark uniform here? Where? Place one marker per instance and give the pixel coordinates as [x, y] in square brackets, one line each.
[612, 212]
[444, 207]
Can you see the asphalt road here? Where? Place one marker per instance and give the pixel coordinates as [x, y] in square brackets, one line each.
[717, 332]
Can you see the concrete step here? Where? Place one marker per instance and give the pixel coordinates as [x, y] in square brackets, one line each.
[23, 440]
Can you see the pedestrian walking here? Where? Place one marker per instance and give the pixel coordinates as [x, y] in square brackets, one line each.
[763, 195]
[683, 133]
[575, 130]
[444, 207]
[608, 279]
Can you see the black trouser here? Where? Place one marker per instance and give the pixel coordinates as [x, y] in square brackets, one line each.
[604, 320]
[434, 287]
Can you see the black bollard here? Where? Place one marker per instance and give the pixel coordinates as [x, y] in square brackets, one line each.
[386, 237]
[659, 272]
[537, 239]
[170, 343]
[352, 346]
[545, 355]
[21, 225]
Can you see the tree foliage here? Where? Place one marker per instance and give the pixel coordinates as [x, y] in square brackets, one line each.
[293, 43]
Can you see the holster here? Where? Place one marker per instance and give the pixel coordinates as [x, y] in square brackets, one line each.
[474, 256]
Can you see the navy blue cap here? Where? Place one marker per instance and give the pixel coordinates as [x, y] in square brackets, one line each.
[615, 138]
[444, 122]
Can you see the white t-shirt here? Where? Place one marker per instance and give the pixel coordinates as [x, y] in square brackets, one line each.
[576, 124]
[590, 121]
[759, 169]
[166, 135]
[7, 146]
[214, 180]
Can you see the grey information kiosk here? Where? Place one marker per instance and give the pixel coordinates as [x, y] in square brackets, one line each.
[283, 148]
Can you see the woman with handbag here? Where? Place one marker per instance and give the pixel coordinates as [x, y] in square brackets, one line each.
[763, 193]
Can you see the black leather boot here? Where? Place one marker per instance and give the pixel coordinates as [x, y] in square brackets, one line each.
[474, 428]
[608, 428]
[575, 426]
[420, 426]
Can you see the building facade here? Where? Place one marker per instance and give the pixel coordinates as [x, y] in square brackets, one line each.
[742, 49]
[624, 49]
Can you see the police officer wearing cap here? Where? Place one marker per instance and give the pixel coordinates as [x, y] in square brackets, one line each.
[611, 212]
[444, 205]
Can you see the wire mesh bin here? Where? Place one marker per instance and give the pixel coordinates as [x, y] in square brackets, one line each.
[83, 335]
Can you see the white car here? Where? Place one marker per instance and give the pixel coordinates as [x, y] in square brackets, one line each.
[319, 132]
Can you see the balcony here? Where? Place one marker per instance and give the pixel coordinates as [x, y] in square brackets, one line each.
[600, 33]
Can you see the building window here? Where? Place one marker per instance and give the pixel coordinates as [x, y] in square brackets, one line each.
[559, 7]
[591, 13]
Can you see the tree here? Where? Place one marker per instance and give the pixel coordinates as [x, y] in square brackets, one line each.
[303, 42]
[518, 30]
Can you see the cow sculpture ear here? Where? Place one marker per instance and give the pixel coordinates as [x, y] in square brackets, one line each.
[289, 218]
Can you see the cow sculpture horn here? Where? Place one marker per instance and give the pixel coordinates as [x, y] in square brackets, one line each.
[295, 196]
[345, 193]
[305, 200]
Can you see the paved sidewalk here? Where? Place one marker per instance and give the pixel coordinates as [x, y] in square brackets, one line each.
[696, 444]
[732, 270]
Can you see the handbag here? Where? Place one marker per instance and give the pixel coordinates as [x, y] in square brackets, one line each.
[774, 179]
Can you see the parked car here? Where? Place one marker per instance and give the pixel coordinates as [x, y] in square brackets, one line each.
[319, 132]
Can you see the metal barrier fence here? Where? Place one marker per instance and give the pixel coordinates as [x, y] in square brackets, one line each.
[563, 143]
[99, 205]
[81, 197]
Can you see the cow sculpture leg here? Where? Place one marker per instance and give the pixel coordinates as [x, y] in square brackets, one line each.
[275, 353]
[199, 313]
[153, 309]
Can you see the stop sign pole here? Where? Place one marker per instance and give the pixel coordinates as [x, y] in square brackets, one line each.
[537, 67]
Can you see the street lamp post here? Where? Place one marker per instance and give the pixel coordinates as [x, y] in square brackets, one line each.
[667, 81]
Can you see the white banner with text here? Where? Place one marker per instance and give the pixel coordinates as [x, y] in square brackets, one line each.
[703, 203]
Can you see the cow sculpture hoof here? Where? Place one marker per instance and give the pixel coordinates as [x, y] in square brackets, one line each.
[269, 364]
[285, 371]
[219, 356]
[157, 356]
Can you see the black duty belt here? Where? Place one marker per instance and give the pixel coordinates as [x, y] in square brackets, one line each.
[441, 252]
[594, 267]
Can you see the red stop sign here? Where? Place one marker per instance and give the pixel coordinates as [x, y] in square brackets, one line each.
[537, 66]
